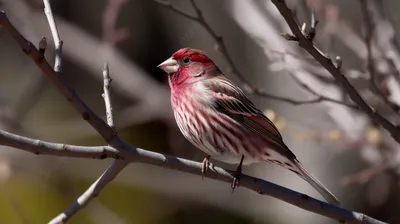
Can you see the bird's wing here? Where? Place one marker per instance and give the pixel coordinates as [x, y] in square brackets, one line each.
[231, 101]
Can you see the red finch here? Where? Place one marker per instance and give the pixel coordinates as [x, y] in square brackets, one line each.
[217, 117]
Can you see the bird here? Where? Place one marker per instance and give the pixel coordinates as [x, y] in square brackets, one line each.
[217, 117]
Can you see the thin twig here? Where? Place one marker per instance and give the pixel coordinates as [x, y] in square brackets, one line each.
[336, 73]
[112, 171]
[320, 96]
[107, 96]
[58, 43]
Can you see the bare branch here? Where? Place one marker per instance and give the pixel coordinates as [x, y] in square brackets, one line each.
[336, 73]
[112, 171]
[47, 148]
[162, 160]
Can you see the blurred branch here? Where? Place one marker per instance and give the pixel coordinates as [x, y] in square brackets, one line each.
[319, 96]
[125, 151]
[386, 40]
[199, 18]
[369, 31]
[336, 73]
[111, 34]
[366, 175]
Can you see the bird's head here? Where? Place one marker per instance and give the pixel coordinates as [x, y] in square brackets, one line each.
[187, 66]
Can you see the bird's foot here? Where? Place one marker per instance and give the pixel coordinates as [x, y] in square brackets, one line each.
[236, 178]
[206, 164]
[238, 174]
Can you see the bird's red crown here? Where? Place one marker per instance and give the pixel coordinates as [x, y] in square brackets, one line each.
[192, 54]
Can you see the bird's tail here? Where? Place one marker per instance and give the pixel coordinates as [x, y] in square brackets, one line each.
[316, 184]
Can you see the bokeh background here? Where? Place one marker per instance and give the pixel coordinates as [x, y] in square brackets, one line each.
[340, 145]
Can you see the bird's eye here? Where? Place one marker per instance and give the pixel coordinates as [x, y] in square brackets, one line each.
[186, 60]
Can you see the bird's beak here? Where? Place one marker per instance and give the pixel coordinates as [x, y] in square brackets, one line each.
[169, 66]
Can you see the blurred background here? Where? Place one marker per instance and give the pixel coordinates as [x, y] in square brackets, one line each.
[349, 153]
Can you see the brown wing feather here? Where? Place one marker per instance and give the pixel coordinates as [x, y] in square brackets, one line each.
[231, 100]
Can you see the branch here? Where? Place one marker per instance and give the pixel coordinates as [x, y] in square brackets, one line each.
[54, 33]
[107, 96]
[336, 73]
[166, 161]
[199, 18]
[112, 171]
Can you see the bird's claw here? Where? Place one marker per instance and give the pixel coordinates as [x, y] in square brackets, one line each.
[206, 164]
[238, 174]
[236, 178]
